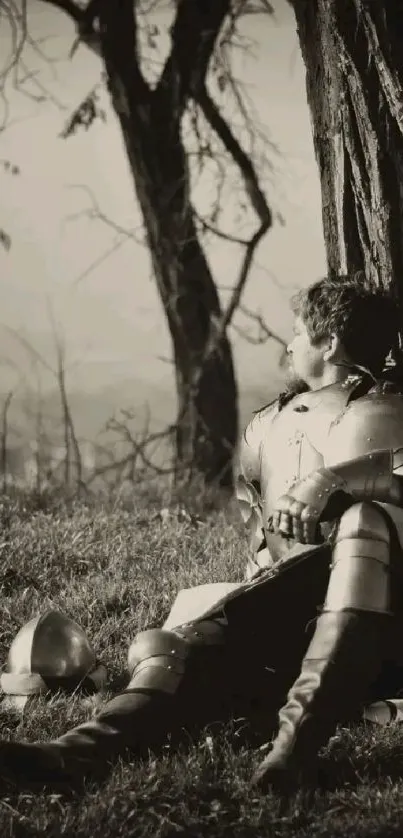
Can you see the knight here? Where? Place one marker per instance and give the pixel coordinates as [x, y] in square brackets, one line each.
[312, 633]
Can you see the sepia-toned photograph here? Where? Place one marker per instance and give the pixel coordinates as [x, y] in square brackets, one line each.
[201, 418]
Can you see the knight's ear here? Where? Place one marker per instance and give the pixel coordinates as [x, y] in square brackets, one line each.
[332, 348]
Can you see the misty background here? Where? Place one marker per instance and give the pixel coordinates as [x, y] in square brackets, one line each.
[89, 278]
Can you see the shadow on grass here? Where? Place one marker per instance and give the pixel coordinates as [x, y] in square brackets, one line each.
[356, 757]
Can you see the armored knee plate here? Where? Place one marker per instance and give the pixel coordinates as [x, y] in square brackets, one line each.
[157, 658]
[360, 570]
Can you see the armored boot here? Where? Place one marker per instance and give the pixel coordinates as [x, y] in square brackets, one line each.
[160, 662]
[346, 653]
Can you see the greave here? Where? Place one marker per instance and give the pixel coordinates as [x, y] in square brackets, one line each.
[345, 655]
[343, 660]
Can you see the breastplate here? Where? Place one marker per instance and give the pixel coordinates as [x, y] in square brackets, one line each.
[296, 440]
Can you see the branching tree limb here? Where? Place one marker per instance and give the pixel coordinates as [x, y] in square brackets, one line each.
[151, 117]
[193, 34]
[264, 332]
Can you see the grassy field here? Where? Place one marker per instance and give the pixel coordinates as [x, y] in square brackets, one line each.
[115, 568]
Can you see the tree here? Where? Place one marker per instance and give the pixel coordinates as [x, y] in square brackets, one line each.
[151, 119]
[353, 54]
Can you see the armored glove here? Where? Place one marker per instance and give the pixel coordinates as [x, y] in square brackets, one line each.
[370, 477]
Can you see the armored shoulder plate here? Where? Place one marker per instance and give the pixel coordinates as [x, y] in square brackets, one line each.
[371, 422]
[256, 430]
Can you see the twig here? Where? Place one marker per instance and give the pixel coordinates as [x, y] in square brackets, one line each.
[4, 437]
[265, 332]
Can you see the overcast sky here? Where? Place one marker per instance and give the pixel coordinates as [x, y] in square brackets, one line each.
[112, 320]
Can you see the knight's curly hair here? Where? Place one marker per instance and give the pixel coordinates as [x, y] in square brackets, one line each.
[364, 318]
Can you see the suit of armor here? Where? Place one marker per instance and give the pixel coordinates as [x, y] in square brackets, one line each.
[312, 627]
[280, 447]
[315, 429]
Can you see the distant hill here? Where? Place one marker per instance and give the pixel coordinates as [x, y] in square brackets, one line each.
[92, 410]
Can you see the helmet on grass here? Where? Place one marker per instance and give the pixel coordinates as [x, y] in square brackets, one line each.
[50, 653]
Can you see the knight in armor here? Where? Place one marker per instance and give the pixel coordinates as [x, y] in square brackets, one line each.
[312, 634]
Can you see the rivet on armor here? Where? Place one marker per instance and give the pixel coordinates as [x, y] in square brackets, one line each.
[173, 651]
[196, 633]
[369, 438]
[320, 494]
[169, 666]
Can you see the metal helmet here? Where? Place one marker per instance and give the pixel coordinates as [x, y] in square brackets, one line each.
[50, 653]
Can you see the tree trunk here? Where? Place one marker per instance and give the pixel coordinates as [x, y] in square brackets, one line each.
[207, 427]
[353, 54]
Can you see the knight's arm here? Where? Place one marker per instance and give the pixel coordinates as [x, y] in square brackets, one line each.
[363, 461]
[376, 476]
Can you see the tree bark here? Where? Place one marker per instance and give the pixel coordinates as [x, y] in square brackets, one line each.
[207, 426]
[353, 54]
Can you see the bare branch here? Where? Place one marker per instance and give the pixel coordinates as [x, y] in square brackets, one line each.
[18, 23]
[75, 12]
[234, 148]
[32, 352]
[119, 48]
[94, 212]
[85, 19]
[207, 226]
[264, 334]
[193, 36]
[96, 263]
[255, 193]
[4, 437]
[68, 424]
[59, 373]
[138, 450]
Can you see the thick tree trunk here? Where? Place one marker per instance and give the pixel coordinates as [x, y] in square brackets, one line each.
[353, 54]
[207, 428]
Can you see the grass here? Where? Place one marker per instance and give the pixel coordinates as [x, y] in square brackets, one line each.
[115, 568]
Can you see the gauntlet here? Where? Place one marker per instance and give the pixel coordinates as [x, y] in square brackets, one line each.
[370, 477]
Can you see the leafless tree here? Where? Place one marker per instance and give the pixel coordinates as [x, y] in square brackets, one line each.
[154, 112]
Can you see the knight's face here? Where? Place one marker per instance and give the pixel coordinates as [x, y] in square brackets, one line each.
[306, 361]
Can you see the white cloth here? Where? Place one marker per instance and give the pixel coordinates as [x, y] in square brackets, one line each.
[192, 603]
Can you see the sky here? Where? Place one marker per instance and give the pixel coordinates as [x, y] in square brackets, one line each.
[111, 319]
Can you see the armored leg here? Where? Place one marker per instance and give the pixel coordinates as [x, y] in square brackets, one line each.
[235, 660]
[347, 649]
[160, 663]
